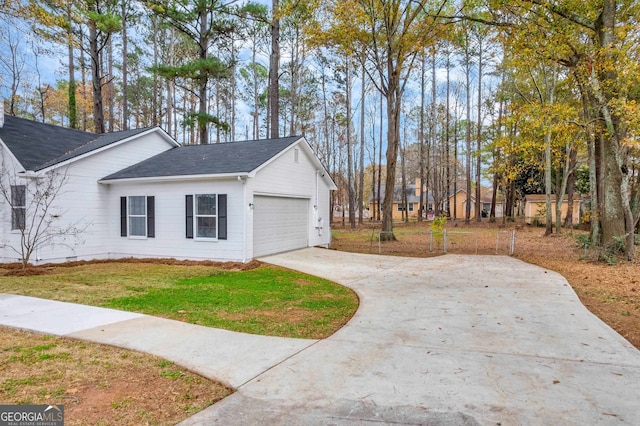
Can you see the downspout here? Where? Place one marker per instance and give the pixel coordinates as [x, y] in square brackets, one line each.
[244, 219]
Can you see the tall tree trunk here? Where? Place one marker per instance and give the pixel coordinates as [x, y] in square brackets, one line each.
[125, 71]
[379, 204]
[446, 133]
[394, 99]
[274, 61]
[362, 141]
[83, 79]
[571, 183]
[72, 108]
[479, 204]
[154, 99]
[96, 77]
[203, 111]
[617, 218]
[352, 213]
[403, 175]
[111, 97]
[256, 95]
[433, 137]
[422, 209]
[467, 55]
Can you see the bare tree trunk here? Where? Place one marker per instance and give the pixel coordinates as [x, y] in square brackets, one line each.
[72, 108]
[571, 182]
[83, 74]
[274, 60]
[125, 71]
[362, 141]
[433, 138]
[379, 204]
[110, 98]
[467, 56]
[394, 99]
[154, 99]
[96, 77]
[446, 133]
[352, 213]
[479, 138]
[422, 208]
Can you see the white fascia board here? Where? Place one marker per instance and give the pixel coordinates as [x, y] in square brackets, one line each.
[163, 134]
[222, 176]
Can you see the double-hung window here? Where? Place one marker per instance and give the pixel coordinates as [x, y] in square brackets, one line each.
[18, 206]
[137, 216]
[206, 216]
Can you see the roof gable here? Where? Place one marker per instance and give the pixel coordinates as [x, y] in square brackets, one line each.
[38, 145]
[214, 159]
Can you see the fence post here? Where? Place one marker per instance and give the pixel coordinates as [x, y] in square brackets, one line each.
[512, 248]
[430, 240]
[444, 233]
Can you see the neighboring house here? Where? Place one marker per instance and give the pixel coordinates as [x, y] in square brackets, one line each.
[535, 209]
[460, 203]
[140, 194]
[412, 206]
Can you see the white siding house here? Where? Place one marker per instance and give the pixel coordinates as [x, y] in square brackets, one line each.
[139, 194]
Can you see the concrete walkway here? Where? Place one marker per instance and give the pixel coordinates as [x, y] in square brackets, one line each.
[226, 356]
[453, 340]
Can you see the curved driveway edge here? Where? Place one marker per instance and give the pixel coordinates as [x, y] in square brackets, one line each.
[459, 340]
[226, 356]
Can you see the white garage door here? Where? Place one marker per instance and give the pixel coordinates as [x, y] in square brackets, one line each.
[279, 224]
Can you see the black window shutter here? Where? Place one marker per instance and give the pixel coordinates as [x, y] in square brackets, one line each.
[123, 216]
[151, 217]
[189, 215]
[222, 216]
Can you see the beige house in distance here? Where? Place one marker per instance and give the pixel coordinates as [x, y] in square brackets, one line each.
[460, 203]
[535, 209]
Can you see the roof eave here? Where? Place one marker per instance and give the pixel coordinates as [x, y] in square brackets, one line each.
[163, 134]
[180, 178]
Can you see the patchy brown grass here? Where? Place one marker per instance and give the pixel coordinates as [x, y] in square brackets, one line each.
[99, 384]
[612, 292]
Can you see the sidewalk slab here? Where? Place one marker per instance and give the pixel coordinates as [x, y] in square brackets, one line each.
[53, 317]
[227, 356]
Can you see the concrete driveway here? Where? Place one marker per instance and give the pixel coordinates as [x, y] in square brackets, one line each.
[459, 340]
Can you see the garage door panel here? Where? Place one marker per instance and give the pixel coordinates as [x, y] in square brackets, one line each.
[279, 224]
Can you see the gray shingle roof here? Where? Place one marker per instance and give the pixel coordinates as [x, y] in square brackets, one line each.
[221, 158]
[37, 145]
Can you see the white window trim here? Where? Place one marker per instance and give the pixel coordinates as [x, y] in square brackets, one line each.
[196, 216]
[23, 208]
[129, 216]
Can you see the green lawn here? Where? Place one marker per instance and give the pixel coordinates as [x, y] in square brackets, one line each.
[266, 300]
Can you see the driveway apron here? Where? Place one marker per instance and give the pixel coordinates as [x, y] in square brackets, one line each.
[452, 340]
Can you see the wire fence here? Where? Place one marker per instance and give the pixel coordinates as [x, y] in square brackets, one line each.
[431, 243]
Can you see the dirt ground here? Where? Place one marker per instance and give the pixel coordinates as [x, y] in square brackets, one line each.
[612, 292]
[99, 384]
